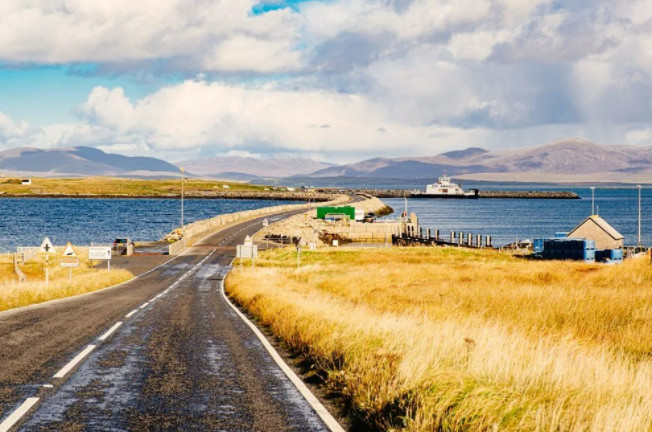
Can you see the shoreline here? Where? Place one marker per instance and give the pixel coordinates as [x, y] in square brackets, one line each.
[253, 196]
[489, 194]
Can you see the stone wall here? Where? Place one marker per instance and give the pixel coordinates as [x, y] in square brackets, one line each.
[195, 231]
[312, 230]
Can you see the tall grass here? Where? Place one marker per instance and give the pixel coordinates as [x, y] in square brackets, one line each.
[84, 279]
[446, 339]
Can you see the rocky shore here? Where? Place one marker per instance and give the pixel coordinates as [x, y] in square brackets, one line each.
[311, 230]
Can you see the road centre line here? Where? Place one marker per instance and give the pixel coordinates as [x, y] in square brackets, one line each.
[72, 363]
[15, 416]
[110, 331]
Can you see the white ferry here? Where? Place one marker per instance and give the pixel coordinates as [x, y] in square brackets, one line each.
[445, 188]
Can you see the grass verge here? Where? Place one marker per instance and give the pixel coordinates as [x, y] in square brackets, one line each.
[84, 279]
[451, 339]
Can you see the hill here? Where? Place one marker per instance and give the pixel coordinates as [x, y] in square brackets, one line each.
[568, 160]
[80, 161]
[247, 168]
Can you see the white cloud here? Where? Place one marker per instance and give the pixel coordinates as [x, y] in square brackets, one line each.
[328, 76]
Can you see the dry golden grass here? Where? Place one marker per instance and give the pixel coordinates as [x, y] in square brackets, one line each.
[84, 279]
[117, 186]
[446, 339]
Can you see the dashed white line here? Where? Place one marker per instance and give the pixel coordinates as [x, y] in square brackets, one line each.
[131, 313]
[144, 305]
[15, 416]
[110, 331]
[72, 363]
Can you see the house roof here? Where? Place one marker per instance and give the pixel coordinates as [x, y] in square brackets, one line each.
[602, 224]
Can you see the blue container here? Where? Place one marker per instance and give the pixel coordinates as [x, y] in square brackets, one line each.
[569, 249]
[537, 246]
[616, 254]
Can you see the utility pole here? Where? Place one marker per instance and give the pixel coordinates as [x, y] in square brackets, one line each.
[592, 200]
[182, 197]
[639, 214]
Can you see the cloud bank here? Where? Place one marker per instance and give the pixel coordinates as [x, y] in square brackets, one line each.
[342, 77]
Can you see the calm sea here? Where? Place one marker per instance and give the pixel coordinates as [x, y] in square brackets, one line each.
[509, 219]
[26, 221]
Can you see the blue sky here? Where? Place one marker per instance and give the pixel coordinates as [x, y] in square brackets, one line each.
[49, 94]
[338, 79]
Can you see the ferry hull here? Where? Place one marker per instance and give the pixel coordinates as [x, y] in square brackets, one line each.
[472, 195]
[438, 196]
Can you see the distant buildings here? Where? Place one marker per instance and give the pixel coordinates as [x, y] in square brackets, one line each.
[26, 182]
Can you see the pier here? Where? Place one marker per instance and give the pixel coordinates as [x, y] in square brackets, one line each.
[428, 237]
[400, 193]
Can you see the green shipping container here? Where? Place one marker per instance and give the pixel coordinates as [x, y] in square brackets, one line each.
[345, 210]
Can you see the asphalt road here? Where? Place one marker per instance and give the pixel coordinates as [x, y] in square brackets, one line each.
[180, 359]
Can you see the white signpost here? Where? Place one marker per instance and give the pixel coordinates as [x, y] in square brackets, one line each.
[47, 248]
[247, 250]
[69, 251]
[69, 259]
[101, 253]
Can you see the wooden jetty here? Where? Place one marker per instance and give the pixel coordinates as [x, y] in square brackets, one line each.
[412, 237]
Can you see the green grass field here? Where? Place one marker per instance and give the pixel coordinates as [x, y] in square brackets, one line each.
[108, 186]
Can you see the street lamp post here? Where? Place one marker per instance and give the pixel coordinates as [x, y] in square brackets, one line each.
[182, 170]
[592, 200]
[639, 214]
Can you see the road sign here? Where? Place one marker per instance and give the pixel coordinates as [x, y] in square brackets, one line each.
[69, 261]
[247, 251]
[99, 252]
[69, 251]
[47, 246]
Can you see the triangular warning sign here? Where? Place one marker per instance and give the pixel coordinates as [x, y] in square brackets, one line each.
[69, 251]
[47, 246]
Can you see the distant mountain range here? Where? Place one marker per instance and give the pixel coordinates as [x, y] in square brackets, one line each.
[570, 160]
[247, 168]
[76, 161]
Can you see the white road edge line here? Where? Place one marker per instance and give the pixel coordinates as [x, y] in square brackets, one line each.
[110, 331]
[129, 315]
[72, 363]
[15, 416]
[321, 411]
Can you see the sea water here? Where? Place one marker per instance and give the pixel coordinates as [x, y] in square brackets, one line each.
[26, 221]
[509, 219]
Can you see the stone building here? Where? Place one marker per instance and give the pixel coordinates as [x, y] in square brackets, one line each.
[596, 228]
